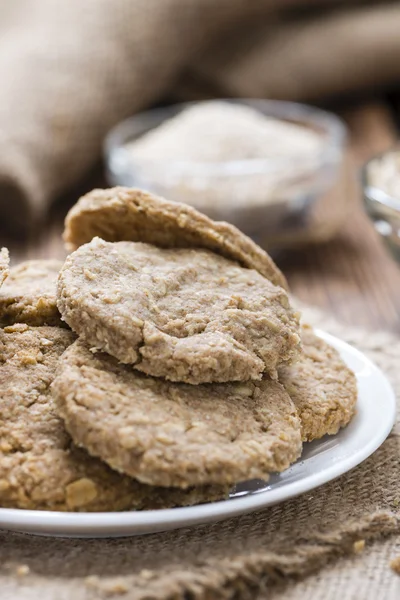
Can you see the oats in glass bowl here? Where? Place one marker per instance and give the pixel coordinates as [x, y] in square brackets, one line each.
[261, 165]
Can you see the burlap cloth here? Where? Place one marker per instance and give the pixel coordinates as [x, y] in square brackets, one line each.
[262, 555]
[70, 70]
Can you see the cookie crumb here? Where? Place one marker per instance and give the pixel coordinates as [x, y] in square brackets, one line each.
[22, 570]
[358, 546]
[146, 574]
[27, 357]
[116, 587]
[395, 565]
[92, 581]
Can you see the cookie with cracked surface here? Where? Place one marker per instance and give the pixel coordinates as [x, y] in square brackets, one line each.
[321, 386]
[40, 467]
[29, 294]
[128, 214]
[184, 314]
[175, 434]
[4, 264]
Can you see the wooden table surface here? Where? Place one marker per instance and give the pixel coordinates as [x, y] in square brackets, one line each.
[352, 276]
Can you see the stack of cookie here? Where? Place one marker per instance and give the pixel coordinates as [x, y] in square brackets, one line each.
[184, 370]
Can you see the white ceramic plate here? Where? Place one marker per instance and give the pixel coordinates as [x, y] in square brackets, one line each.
[322, 461]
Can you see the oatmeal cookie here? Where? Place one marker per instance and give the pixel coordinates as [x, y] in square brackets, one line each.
[29, 294]
[127, 214]
[321, 386]
[174, 434]
[40, 467]
[184, 314]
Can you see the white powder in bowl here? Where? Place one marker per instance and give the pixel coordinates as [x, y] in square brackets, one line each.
[223, 157]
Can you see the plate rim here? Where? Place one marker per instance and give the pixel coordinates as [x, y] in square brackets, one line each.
[129, 523]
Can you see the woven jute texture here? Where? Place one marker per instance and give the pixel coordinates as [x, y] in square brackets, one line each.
[69, 71]
[303, 548]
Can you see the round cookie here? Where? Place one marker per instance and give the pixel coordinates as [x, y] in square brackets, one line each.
[29, 294]
[172, 433]
[40, 468]
[184, 314]
[4, 264]
[128, 214]
[321, 386]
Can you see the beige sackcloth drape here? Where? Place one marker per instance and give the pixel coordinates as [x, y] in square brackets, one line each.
[304, 549]
[70, 70]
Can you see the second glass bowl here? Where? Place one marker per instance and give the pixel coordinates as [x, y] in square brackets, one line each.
[379, 175]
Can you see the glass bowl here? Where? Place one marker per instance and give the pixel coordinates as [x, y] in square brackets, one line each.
[275, 200]
[383, 208]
